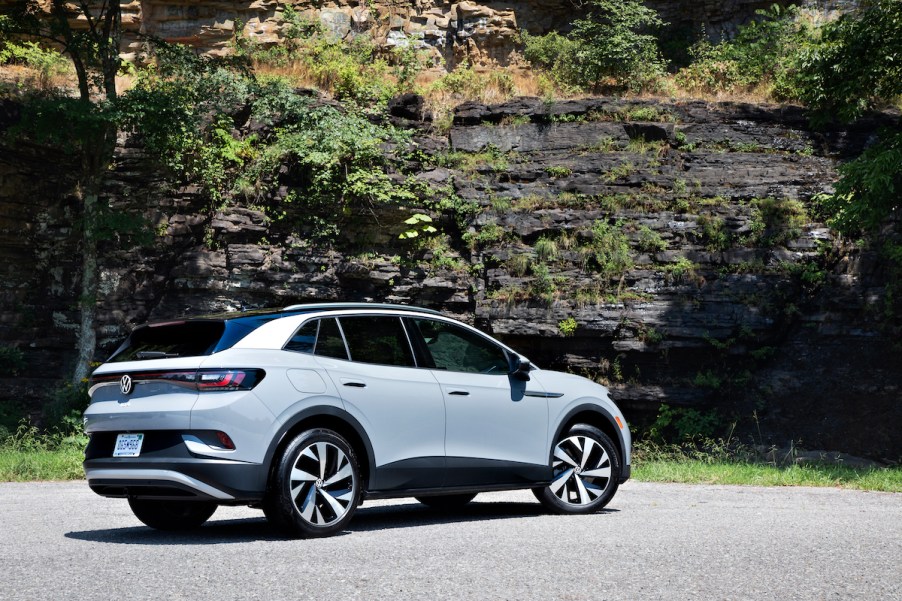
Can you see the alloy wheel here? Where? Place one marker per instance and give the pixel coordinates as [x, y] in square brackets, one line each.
[581, 470]
[323, 484]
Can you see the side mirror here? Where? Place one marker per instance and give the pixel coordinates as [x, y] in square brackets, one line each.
[520, 367]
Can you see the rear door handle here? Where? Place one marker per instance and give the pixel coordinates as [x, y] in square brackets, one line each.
[354, 384]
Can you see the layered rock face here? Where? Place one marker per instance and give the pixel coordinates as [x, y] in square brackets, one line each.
[666, 249]
[481, 33]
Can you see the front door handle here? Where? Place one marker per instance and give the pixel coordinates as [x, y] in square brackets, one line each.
[459, 392]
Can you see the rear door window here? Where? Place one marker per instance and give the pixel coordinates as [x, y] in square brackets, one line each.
[329, 342]
[304, 340]
[377, 339]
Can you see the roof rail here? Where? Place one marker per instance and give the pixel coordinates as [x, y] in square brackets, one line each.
[342, 306]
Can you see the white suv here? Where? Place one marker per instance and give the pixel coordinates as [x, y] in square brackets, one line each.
[307, 411]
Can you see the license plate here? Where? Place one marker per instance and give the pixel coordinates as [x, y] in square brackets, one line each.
[128, 445]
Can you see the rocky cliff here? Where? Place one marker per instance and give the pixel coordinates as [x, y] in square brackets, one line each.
[480, 33]
[669, 250]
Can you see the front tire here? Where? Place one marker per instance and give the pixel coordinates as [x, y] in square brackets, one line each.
[585, 472]
[317, 485]
[171, 515]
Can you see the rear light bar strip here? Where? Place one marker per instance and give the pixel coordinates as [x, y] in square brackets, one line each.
[194, 379]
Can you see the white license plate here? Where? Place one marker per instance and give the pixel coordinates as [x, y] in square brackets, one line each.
[128, 445]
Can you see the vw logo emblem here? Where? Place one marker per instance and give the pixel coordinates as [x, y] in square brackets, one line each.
[125, 384]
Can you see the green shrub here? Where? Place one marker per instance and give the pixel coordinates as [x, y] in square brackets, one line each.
[616, 43]
[856, 64]
[715, 232]
[764, 51]
[612, 47]
[546, 249]
[46, 62]
[609, 249]
[556, 54]
[650, 241]
[684, 423]
[567, 327]
[869, 189]
[12, 360]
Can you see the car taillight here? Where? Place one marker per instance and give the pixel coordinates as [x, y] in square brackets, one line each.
[228, 379]
[220, 380]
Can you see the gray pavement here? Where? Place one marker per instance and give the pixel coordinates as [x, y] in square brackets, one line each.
[655, 541]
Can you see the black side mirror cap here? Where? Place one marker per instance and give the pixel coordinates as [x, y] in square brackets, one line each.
[520, 367]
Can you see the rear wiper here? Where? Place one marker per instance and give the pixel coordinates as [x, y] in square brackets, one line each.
[155, 355]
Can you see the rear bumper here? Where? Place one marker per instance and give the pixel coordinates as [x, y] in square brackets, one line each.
[200, 479]
[167, 469]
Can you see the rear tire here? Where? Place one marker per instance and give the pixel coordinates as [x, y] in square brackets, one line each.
[171, 515]
[447, 502]
[317, 485]
[586, 472]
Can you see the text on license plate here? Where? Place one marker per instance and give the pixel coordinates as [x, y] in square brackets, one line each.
[128, 445]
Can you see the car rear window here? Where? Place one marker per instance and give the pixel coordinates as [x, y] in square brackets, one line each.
[181, 339]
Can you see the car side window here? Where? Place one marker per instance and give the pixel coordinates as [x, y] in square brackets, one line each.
[329, 342]
[457, 349]
[377, 339]
[304, 340]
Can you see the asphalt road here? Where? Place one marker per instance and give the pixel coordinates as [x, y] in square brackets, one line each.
[60, 541]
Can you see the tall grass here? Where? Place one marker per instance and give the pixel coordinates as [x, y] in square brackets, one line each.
[29, 454]
[718, 462]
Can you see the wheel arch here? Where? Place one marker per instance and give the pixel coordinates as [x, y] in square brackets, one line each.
[332, 418]
[596, 416]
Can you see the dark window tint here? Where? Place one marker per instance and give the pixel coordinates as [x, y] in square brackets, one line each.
[455, 348]
[377, 340]
[183, 339]
[304, 339]
[329, 342]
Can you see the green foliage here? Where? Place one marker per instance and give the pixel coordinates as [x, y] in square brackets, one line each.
[351, 69]
[46, 62]
[763, 51]
[12, 360]
[612, 47]
[419, 223]
[558, 171]
[466, 82]
[708, 379]
[776, 221]
[556, 54]
[856, 64]
[684, 423]
[609, 249]
[567, 327]
[68, 402]
[869, 188]
[181, 107]
[614, 42]
[543, 284]
[683, 268]
[650, 241]
[330, 159]
[546, 249]
[719, 461]
[487, 234]
[408, 63]
[715, 232]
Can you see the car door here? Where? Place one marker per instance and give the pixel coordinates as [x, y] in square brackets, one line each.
[371, 363]
[495, 433]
